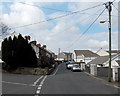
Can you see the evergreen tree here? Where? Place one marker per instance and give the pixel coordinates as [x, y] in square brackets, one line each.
[4, 50]
[18, 53]
[10, 52]
[15, 55]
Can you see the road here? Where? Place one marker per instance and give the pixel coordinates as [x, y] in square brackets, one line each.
[62, 81]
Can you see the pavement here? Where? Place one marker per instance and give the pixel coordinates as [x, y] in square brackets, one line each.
[112, 83]
[61, 81]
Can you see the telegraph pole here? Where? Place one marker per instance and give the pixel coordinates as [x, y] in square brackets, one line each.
[109, 7]
[59, 54]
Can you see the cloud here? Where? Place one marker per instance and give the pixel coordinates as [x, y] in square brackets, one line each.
[59, 33]
[92, 14]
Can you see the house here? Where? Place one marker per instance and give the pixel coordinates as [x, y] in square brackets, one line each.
[102, 52]
[103, 61]
[84, 56]
[64, 56]
[113, 52]
[118, 61]
[35, 47]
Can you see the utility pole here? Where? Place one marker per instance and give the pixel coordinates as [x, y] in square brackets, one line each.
[109, 7]
[59, 54]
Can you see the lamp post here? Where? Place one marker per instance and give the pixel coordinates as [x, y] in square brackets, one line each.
[108, 6]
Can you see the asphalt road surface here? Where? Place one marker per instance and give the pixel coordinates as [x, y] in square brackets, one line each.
[62, 81]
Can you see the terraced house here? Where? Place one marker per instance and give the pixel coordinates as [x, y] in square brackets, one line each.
[84, 56]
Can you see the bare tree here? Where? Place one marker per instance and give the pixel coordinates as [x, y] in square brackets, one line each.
[4, 30]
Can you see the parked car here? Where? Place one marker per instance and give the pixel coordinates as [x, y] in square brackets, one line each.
[76, 67]
[69, 66]
[70, 62]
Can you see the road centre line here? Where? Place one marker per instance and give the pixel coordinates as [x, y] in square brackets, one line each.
[38, 91]
[17, 83]
[43, 80]
[40, 86]
[37, 81]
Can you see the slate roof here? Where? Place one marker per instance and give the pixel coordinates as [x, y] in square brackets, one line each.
[86, 53]
[114, 51]
[67, 53]
[118, 61]
[100, 60]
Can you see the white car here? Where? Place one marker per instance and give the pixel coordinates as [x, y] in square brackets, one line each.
[69, 66]
[76, 67]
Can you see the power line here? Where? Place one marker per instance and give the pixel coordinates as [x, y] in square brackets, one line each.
[59, 9]
[80, 21]
[87, 29]
[115, 7]
[44, 7]
[75, 12]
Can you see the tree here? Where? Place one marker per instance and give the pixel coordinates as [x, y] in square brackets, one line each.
[4, 50]
[4, 29]
[18, 53]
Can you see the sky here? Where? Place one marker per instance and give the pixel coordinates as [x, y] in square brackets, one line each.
[68, 32]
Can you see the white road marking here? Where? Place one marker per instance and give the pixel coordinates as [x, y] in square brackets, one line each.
[16, 83]
[37, 81]
[38, 91]
[57, 70]
[43, 80]
[40, 86]
[36, 95]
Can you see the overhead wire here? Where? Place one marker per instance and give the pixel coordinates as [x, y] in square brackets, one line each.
[86, 30]
[58, 9]
[83, 20]
[58, 17]
[115, 7]
[45, 7]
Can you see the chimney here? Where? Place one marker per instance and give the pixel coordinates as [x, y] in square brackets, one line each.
[27, 37]
[38, 45]
[44, 46]
[34, 42]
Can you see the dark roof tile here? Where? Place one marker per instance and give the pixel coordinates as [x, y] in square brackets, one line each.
[86, 53]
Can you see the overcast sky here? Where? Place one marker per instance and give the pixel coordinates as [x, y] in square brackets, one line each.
[66, 32]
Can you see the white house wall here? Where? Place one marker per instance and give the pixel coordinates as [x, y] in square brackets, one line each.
[62, 56]
[82, 58]
[113, 63]
[36, 49]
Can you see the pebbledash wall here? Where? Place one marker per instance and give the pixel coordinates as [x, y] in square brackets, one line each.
[103, 71]
[87, 69]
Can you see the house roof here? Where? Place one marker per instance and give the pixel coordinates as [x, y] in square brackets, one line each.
[100, 60]
[118, 61]
[102, 52]
[86, 53]
[114, 51]
[67, 53]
